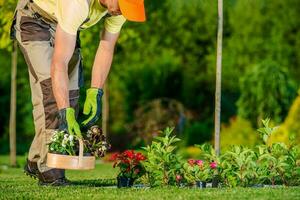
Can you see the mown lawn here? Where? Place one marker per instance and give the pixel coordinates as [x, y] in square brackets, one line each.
[97, 184]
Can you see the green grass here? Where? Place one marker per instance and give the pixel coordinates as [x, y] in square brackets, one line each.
[94, 185]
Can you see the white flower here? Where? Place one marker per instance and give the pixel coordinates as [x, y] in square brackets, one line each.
[71, 137]
[103, 148]
[65, 136]
[54, 137]
[64, 142]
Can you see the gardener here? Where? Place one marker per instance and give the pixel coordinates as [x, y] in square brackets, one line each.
[48, 34]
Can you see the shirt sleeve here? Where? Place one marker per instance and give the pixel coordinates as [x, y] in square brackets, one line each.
[71, 14]
[114, 24]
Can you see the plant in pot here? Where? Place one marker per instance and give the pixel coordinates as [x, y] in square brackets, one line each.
[239, 166]
[63, 143]
[130, 166]
[197, 172]
[208, 154]
[95, 142]
[163, 165]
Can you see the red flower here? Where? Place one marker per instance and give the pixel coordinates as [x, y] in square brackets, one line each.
[213, 165]
[129, 162]
[129, 154]
[136, 171]
[178, 177]
[140, 157]
[124, 160]
[191, 162]
[199, 163]
[114, 156]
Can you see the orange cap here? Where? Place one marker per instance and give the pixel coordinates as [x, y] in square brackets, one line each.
[133, 10]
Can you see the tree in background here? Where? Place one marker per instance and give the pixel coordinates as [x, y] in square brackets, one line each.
[266, 91]
[5, 21]
[218, 78]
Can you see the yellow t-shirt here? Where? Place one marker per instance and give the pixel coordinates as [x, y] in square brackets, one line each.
[73, 15]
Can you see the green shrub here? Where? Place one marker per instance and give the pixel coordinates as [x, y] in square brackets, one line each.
[238, 166]
[277, 162]
[163, 164]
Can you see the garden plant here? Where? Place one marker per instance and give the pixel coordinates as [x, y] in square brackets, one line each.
[240, 166]
[130, 167]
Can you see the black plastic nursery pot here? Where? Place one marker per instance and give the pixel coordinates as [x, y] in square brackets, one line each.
[201, 184]
[215, 181]
[124, 182]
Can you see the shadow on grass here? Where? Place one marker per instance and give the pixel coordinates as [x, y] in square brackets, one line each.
[96, 183]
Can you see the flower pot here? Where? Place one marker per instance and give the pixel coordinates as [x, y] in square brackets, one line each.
[71, 162]
[124, 182]
[201, 184]
[215, 181]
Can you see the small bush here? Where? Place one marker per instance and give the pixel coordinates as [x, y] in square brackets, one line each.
[163, 163]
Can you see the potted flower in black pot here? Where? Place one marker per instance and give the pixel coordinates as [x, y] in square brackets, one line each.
[196, 172]
[214, 174]
[130, 166]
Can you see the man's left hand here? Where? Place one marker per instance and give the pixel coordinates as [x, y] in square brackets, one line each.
[92, 106]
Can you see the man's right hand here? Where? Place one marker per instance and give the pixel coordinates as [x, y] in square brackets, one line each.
[68, 123]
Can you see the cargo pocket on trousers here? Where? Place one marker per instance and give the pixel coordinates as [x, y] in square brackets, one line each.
[49, 103]
[34, 29]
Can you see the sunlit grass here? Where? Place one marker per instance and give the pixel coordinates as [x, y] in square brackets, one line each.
[100, 184]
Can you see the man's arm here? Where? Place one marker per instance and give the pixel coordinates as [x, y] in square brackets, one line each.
[103, 58]
[101, 67]
[63, 51]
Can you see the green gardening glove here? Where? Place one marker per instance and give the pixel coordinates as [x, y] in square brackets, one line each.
[92, 106]
[67, 122]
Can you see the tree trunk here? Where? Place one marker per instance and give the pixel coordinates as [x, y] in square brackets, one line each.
[218, 77]
[12, 119]
[105, 110]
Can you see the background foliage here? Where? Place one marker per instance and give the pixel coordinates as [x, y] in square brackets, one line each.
[173, 56]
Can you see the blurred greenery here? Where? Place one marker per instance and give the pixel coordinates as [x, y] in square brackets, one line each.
[290, 128]
[172, 56]
[238, 132]
[270, 95]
